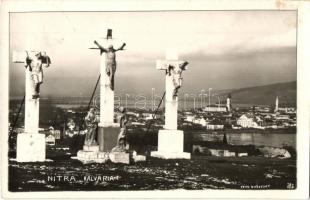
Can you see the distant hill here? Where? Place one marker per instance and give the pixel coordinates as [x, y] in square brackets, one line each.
[264, 95]
[78, 87]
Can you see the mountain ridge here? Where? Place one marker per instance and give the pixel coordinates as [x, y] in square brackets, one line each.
[264, 94]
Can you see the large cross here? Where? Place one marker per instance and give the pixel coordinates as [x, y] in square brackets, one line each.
[31, 104]
[173, 68]
[30, 145]
[106, 90]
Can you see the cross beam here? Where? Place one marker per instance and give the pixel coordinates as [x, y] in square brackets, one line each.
[172, 60]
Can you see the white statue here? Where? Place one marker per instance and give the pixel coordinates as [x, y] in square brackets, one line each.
[34, 65]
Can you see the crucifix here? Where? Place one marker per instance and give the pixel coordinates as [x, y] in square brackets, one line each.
[170, 139]
[173, 68]
[108, 130]
[107, 71]
[31, 144]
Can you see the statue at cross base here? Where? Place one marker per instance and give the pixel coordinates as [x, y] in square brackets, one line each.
[122, 144]
[110, 60]
[91, 122]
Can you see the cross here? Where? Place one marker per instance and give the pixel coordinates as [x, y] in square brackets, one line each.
[173, 68]
[108, 40]
[31, 144]
[172, 59]
[107, 71]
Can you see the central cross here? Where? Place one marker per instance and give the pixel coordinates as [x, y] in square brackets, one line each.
[173, 68]
[107, 71]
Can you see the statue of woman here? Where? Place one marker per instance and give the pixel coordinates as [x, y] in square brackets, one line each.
[91, 125]
[121, 139]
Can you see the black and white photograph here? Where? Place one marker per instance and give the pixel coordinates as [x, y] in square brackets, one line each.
[154, 100]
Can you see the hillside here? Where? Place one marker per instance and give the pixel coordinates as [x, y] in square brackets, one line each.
[264, 95]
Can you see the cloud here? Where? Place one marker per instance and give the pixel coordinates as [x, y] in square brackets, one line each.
[221, 46]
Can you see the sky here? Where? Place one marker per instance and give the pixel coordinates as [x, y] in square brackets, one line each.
[225, 49]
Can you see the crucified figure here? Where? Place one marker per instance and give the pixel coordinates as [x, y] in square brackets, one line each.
[34, 65]
[110, 60]
[176, 73]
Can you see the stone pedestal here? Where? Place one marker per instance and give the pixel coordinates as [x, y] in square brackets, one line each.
[91, 154]
[139, 158]
[30, 147]
[107, 136]
[171, 145]
[120, 157]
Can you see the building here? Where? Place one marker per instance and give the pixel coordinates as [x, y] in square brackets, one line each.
[214, 127]
[190, 118]
[290, 110]
[277, 105]
[247, 121]
[132, 113]
[50, 140]
[200, 121]
[228, 103]
[282, 117]
[149, 116]
[215, 109]
[55, 133]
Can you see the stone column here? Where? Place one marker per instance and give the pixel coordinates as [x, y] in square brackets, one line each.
[31, 106]
[171, 106]
[108, 130]
[106, 96]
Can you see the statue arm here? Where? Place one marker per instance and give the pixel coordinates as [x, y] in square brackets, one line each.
[28, 63]
[47, 61]
[183, 65]
[121, 47]
[102, 49]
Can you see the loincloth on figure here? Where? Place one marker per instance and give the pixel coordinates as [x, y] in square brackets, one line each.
[37, 77]
[177, 81]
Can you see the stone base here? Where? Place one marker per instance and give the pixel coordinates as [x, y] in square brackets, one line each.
[96, 156]
[94, 148]
[120, 157]
[30, 147]
[91, 154]
[139, 158]
[171, 145]
[108, 124]
[171, 155]
[107, 137]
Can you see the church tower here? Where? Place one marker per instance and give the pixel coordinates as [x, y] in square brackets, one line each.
[228, 103]
[277, 105]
